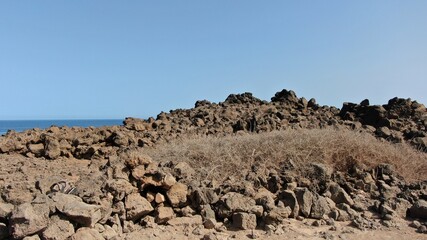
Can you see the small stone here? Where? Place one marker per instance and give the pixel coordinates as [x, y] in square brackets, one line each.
[150, 196]
[422, 229]
[209, 223]
[168, 181]
[160, 198]
[388, 217]
[317, 223]
[244, 221]
[137, 206]
[164, 214]
[187, 211]
[58, 229]
[177, 194]
[415, 224]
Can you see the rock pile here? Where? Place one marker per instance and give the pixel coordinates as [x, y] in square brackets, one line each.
[139, 193]
[127, 191]
[399, 120]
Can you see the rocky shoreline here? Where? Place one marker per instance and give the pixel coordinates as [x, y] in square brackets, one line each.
[106, 187]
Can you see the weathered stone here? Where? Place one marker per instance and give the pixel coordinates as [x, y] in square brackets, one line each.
[138, 172]
[177, 195]
[164, 214]
[36, 149]
[320, 207]
[244, 221]
[119, 188]
[419, 209]
[265, 198]
[5, 209]
[202, 196]
[34, 237]
[168, 181]
[87, 234]
[277, 215]
[134, 158]
[159, 198]
[235, 202]
[183, 170]
[289, 199]
[137, 206]
[52, 148]
[76, 210]
[339, 195]
[26, 220]
[305, 200]
[209, 223]
[109, 233]
[58, 229]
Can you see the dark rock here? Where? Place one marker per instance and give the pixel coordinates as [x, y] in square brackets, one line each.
[419, 209]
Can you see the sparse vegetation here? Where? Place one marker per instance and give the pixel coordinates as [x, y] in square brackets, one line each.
[220, 157]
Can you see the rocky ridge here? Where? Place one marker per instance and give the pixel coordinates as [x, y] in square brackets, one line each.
[117, 190]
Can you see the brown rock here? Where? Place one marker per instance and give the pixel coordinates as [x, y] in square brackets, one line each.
[86, 234]
[5, 210]
[339, 195]
[244, 221]
[36, 149]
[72, 206]
[137, 207]
[305, 201]
[289, 199]
[58, 229]
[164, 214]
[177, 195]
[26, 220]
[52, 148]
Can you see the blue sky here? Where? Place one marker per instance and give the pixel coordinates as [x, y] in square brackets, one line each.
[113, 59]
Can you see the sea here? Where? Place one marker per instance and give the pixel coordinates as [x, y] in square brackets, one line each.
[22, 125]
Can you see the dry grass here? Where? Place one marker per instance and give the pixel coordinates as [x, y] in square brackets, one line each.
[220, 157]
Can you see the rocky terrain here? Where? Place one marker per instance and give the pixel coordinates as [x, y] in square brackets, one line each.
[99, 183]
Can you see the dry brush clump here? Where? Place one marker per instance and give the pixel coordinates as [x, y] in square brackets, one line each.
[222, 157]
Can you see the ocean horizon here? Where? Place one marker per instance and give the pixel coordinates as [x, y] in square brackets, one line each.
[22, 125]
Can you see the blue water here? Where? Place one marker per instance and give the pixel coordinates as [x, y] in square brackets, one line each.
[21, 125]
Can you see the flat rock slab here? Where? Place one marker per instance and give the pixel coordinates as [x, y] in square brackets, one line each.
[74, 207]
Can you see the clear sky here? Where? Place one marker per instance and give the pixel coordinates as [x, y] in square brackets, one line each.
[113, 59]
